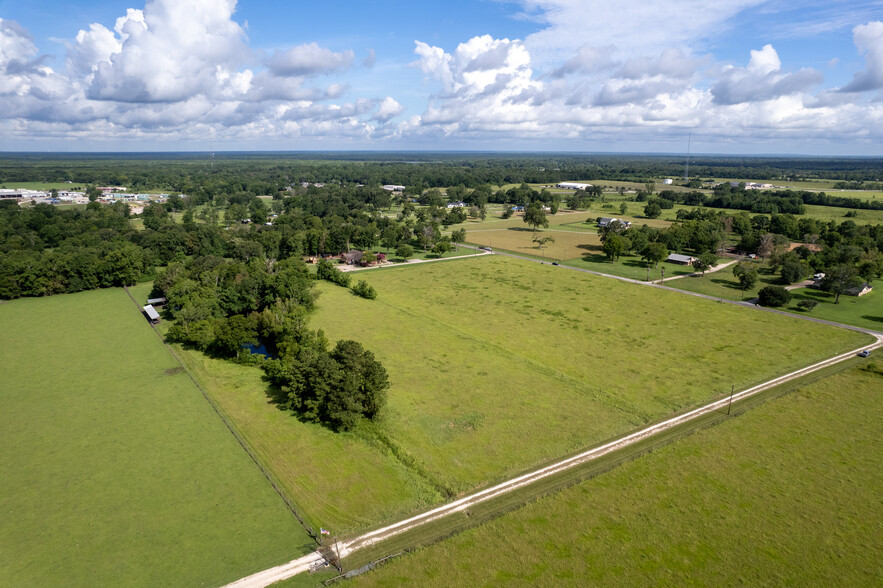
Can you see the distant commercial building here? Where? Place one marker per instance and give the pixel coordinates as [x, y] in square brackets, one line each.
[573, 186]
[393, 188]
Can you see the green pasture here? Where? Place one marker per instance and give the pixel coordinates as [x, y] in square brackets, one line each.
[568, 243]
[116, 471]
[785, 494]
[340, 481]
[486, 353]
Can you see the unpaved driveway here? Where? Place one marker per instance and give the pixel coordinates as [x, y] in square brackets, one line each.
[347, 547]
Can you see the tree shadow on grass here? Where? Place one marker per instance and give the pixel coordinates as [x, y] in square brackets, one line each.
[278, 398]
[876, 319]
[632, 262]
[596, 258]
[590, 247]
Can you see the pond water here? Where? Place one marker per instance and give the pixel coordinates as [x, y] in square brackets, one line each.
[258, 349]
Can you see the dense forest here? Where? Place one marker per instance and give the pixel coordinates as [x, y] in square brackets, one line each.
[267, 173]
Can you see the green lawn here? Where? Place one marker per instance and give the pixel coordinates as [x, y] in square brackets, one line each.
[486, 353]
[627, 266]
[866, 311]
[116, 471]
[723, 284]
[786, 494]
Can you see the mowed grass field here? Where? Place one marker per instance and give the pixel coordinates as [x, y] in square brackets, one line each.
[498, 364]
[786, 494]
[568, 243]
[116, 471]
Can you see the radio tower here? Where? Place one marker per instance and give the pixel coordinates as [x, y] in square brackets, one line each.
[212, 148]
[687, 165]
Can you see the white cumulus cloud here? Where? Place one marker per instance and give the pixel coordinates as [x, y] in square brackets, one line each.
[309, 59]
[869, 40]
[762, 79]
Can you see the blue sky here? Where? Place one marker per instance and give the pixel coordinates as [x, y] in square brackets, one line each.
[739, 76]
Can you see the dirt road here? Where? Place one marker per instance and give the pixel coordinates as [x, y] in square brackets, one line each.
[347, 547]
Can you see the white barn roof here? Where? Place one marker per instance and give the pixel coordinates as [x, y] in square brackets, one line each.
[151, 313]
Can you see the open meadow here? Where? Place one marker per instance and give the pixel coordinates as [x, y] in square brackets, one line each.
[785, 494]
[488, 352]
[116, 470]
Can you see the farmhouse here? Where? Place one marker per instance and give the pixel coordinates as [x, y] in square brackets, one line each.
[458, 204]
[351, 257]
[680, 259]
[151, 314]
[573, 186]
[606, 220]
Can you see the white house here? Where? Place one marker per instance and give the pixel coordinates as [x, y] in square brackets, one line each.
[573, 186]
[393, 188]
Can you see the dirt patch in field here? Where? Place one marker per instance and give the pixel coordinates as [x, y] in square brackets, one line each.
[173, 371]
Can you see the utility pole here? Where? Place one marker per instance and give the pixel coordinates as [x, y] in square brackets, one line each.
[732, 389]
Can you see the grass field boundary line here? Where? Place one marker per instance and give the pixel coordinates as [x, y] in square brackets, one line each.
[527, 256]
[373, 537]
[718, 299]
[230, 427]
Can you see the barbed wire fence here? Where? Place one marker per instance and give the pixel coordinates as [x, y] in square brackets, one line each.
[277, 486]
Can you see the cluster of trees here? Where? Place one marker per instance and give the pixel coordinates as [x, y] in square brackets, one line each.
[229, 308]
[845, 252]
[45, 250]
[654, 244]
[325, 270]
[760, 201]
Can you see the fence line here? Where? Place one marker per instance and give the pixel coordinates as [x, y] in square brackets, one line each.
[359, 571]
[542, 257]
[242, 442]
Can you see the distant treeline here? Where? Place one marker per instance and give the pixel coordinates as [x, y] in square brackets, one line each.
[267, 173]
[762, 201]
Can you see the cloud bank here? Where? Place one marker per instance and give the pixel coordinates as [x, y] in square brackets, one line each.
[594, 74]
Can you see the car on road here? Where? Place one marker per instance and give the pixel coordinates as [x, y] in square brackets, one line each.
[485, 248]
[864, 353]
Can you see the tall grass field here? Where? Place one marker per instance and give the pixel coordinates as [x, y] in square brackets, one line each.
[785, 495]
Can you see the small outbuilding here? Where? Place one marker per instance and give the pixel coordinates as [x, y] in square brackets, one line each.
[151, 314]
[680, 259]
[156, 301]
[860, 290]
